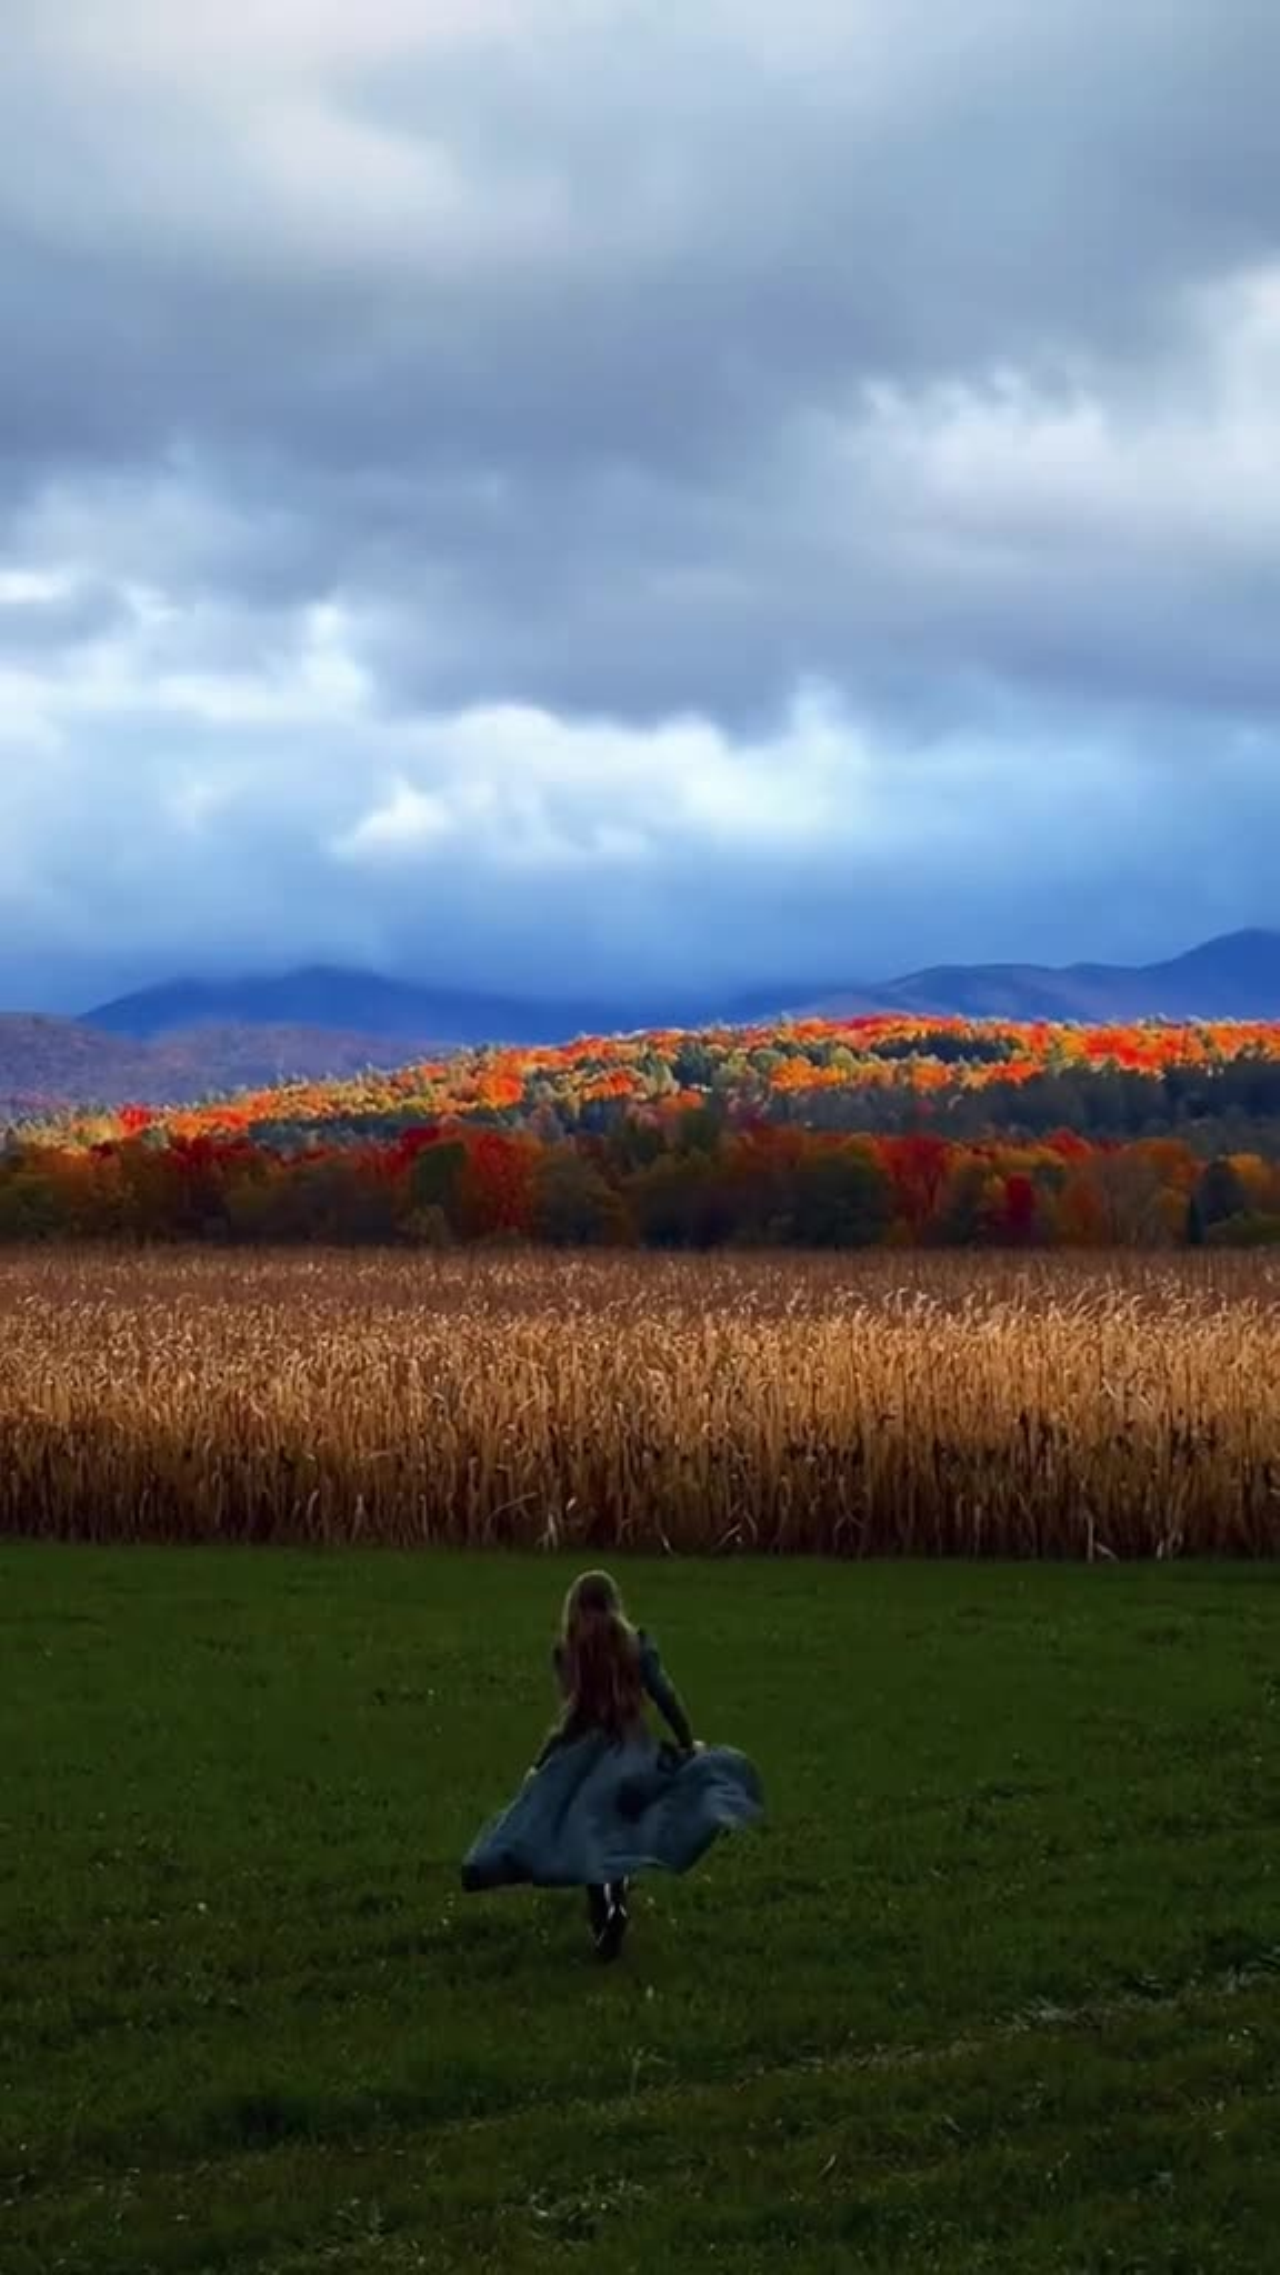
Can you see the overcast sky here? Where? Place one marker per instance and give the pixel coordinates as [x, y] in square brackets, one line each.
[545, 492]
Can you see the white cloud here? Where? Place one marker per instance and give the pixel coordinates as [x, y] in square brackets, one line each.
[1199, 470]
[29, 588]
[405, 823]
[546, 481]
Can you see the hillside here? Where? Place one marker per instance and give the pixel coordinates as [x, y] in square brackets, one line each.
[47, 1062]
[50, 1065]
[885, 1074]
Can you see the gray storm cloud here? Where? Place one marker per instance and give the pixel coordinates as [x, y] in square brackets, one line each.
[741, 492]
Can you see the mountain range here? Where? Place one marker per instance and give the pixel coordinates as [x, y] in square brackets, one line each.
[1234, 977]
[190, 1038]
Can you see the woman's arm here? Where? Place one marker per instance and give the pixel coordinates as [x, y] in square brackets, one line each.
[666, 1698]
[555, 1737]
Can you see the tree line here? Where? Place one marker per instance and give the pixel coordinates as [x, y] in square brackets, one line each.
[695, 1180]
[1216, 1086]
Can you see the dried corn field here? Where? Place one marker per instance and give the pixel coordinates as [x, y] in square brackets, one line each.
[878, 1406]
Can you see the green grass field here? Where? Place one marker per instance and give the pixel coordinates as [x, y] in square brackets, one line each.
[996, 1988]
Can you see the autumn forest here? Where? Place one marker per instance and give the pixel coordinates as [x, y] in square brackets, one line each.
[817, 1134]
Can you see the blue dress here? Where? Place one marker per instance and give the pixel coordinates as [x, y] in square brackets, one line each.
[596, 1809]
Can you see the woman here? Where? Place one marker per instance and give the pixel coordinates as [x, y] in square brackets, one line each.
[604, 1800]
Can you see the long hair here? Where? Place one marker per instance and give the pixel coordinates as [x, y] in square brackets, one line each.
[598, 1660]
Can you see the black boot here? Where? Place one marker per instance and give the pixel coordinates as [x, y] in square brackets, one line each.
[612, 1934]
[597, 1911]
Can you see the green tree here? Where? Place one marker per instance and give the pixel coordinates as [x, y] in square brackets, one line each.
[681, 1201]
[1219, 1195]
[573, 1204]
[839, 1198]
[433, 1179]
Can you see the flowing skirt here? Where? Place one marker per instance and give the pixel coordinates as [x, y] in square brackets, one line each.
[598, 1810]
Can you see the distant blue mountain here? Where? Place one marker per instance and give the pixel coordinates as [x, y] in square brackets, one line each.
[351, 1001]
[1236, 977]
